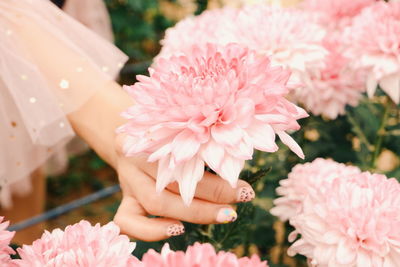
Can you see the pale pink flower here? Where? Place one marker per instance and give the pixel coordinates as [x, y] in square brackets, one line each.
[328, 90]
[80, 245]
[5, 239]
[202, 255]
[305, 178]
[374, 44]
[292, 38]
[336, 13]
[354, 223]
[212, 26]
[212, 106]
[239, 3]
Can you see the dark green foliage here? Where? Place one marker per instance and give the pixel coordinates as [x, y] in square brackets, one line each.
[138, 26]
[83, 173]
[201, 6]
[15, 247]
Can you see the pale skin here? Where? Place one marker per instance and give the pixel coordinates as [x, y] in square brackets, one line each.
[96, 122]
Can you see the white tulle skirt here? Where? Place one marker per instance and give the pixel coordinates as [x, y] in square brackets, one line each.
[43, 52]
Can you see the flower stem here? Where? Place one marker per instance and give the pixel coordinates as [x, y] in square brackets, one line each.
[359, 133]
[381, 133]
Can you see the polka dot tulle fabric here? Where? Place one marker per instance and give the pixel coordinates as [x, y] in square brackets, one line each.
[44, 54]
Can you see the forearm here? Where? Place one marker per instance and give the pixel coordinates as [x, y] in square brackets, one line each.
[97, 120]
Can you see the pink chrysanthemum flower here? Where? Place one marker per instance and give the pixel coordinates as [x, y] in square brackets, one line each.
[5, 239]
[212, 26]
[212, 106]
[80, 245]
[374, 44]
[336, 13]
[292, 38]
[305, 178]
[328, 90]
[202, 255]
[356, 223]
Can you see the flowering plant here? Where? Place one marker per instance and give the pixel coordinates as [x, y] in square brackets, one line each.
[375, 46]
[212, 106]
[5, 239]
[316, 176]
[354, 223]
[84, 245]
[198, 255]
[81, 245]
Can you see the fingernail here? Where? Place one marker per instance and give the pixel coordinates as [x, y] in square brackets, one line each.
[226, 215]
[245, 194]
[175, 229]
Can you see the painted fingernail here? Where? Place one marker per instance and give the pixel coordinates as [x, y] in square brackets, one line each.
[245, 194]
[175, 229]
[226, 215]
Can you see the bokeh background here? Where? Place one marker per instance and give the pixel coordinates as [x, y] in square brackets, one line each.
[138, 26]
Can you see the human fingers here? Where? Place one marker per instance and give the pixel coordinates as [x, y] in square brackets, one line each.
[171, 205]
[133, 221]
[215, 189]
[211, 187]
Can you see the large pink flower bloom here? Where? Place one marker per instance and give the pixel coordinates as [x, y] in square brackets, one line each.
[305, 178]
[329, 89]
[374, 44]
[213, 106]
[292, 38]
[212, 26]
[202, 255]
[5, 239]
[80, 245]
[337, 13]
[354, 223]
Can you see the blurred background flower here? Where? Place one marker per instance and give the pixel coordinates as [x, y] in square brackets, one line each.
[198, 255]
[5, 240]
[80, 245]
[353, 223]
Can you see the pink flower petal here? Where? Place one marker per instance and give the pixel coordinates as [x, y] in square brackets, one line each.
[245, 112]
[345, 253]
[262, 136]
[184, 146]
[244, 150]
[372, 84]
[192, 172]
[230, 169]
[160, 153]
[272, 118]
[363, 259]
[164, 174]
[226, 134]
[289, 141]
[213, 154]
[391, 85]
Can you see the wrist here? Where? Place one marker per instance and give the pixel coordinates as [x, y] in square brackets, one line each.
[96, 122]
